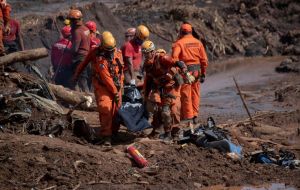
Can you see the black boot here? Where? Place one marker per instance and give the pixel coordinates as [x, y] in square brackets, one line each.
[103, 140]
[167, 136]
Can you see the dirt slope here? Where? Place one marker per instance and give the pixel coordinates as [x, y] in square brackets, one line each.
[43, 30]
[226, 27]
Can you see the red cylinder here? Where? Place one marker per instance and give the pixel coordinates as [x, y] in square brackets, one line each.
[137, 156]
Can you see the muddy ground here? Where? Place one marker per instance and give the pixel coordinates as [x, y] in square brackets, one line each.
[233, 29]
[69, 162]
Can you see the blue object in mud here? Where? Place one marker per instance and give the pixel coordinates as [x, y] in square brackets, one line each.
[235, 148]
[264, 159]
[133, 117]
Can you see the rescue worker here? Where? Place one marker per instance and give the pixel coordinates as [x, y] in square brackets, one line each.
[92, 26]
[162, 87]
[13, 40]
[133, 55]
[107, 68]
[5, 10]
[129, 34]
[61, 58]
[80, 47]
[191, 51]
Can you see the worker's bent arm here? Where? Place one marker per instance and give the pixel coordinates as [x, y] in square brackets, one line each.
[128, 61]
[167, 61]
[90, 56]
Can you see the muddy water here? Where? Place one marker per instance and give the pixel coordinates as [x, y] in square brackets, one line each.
[219, 94]
[273, 186]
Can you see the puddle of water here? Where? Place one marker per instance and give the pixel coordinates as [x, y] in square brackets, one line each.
[220, 94]
[246, 70]
[273, 186]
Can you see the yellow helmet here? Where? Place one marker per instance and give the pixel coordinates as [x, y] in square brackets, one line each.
[148, 46]
[142, 32]
[108, 41]
[161, 51]
[106, 33]
[67, 22]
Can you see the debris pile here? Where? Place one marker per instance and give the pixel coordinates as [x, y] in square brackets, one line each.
[238, 27]
[210, 136]
[291, 64]
[27, 106]
[283, 158]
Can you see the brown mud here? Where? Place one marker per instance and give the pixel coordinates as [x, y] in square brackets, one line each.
[69, 162]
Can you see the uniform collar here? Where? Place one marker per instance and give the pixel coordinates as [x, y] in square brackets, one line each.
[188, 36]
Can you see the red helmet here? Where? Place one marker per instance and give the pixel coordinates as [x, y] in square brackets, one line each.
[66, 31]
[75, 14]
[130, 32]
[91, 25]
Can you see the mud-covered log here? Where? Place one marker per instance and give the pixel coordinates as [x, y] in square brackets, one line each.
[72, 97]
[21, 56]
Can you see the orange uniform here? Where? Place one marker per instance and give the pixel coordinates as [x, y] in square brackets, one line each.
[191, 51]
[162, 91]
[4, 21]
[107, 81]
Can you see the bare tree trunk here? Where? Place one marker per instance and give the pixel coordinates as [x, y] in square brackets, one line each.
[22, 56]
[72, 97]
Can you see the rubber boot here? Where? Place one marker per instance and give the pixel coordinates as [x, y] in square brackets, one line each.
[167, 136]
[103, 140]
[107, 142]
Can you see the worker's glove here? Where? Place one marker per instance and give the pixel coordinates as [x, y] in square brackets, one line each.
[7, 30]
[117, 98]
[202, 78]
[189, 78]
[181, 65]
[132, 82]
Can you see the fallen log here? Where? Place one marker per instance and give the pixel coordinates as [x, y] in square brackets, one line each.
[22, 56]
[253, 139]
[85, 100]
